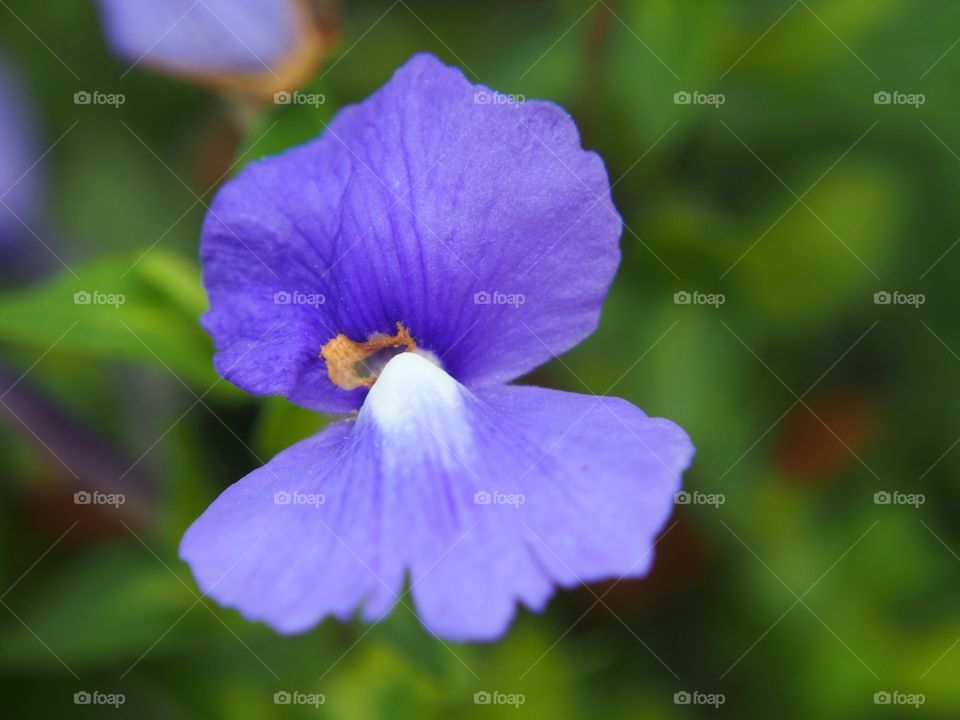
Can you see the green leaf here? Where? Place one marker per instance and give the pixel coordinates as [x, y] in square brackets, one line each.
[142, 307]
[110, 606]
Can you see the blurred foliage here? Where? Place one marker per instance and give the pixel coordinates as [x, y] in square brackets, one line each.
[797, 198]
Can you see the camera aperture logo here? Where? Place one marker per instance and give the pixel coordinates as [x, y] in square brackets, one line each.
[698, 498]
[96, 297]
[95, 97]
[895, 697]
[282, 497]
[295, 697]
[282, 97]
[895, 97]
[899, 498]
[483, 697]
[295, 297]
[696, 97]
[895, 297]
[695, 297]
[496, 297]
[84, 497]
[685, 697]
[95, 697]
[483, 497]
[490, 97]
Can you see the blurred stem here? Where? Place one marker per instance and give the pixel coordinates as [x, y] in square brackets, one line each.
[597, 33]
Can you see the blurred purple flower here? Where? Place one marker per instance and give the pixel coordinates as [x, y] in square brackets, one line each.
[19, 179]
[476, 228]
[235, 42]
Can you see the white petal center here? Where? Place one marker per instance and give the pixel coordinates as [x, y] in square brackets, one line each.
[419, 409]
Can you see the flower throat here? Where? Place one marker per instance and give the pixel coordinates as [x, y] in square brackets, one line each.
[352, 364]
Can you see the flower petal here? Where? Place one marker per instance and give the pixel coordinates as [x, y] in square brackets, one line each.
[213, 39]
[19, 176]
[484, 499]
[478, 222]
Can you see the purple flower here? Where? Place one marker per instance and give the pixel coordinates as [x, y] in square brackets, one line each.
[436, 242]
[19, 178]
[220, 41]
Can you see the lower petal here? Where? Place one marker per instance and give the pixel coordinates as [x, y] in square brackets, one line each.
[483, 499]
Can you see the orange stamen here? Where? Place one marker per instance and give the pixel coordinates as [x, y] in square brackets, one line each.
[345, 357]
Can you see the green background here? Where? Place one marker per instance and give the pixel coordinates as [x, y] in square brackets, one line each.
[797, 199]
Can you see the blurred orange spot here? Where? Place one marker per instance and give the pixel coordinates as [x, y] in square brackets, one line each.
[816, 446]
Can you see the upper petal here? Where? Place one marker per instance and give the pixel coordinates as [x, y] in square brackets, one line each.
[484, 499]
[478, 222]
